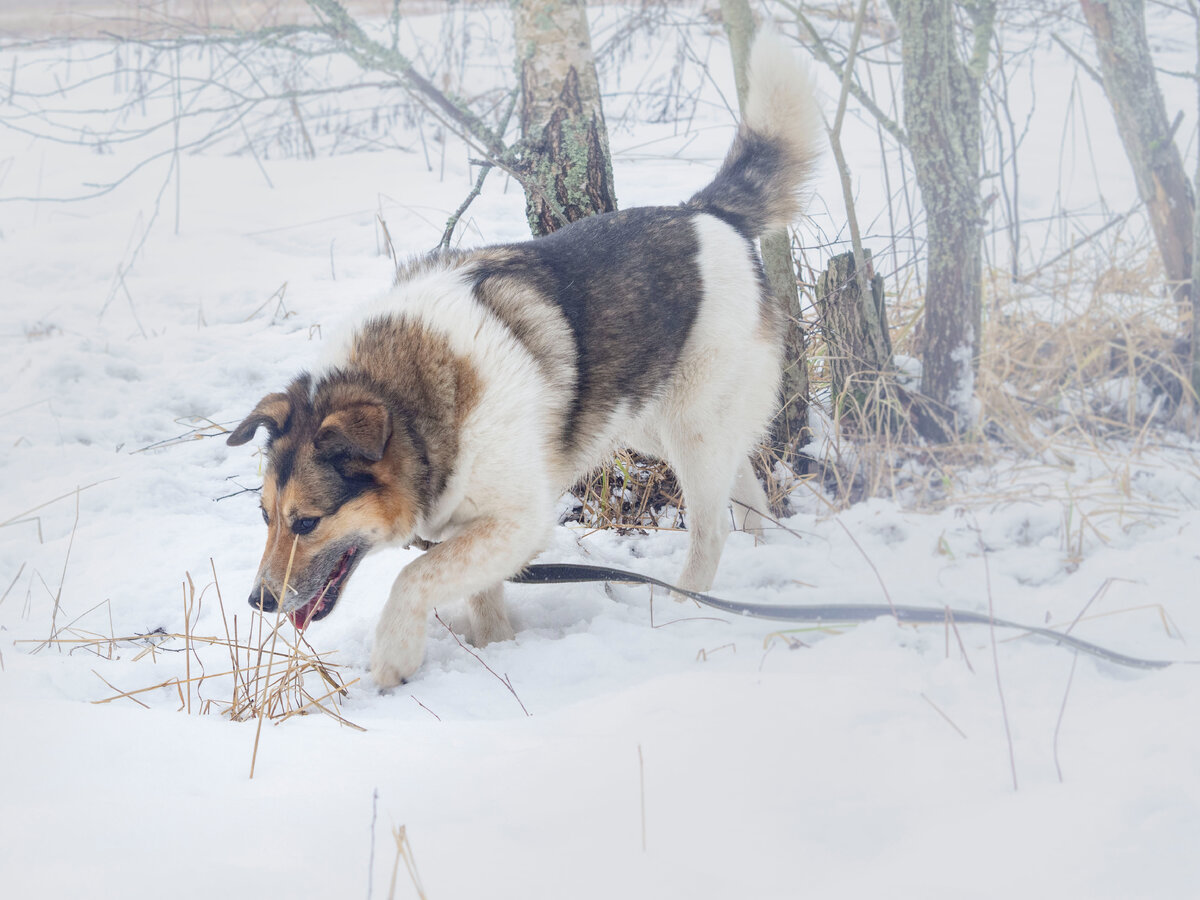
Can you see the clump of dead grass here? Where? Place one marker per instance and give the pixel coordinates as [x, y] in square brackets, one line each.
[1084, 357]
[633, 493]
[259, 668]
[1110, 369]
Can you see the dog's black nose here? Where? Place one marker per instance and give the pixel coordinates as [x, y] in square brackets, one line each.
[262, 597]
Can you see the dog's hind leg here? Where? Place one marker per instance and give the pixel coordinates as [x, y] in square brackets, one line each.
[748, 500]
[707, 482]
[489, 621]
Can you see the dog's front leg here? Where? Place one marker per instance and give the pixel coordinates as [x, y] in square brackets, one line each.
[485, 553]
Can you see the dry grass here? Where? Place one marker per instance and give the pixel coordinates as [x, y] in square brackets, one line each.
[404, 853]
[635, 493]
[1082, 361]
[147, 18]
[258, 669]
[1110, 370]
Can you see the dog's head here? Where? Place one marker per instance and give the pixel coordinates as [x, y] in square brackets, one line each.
[341, 478]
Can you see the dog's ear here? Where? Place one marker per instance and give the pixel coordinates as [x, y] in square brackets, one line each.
[359, 430]
[272, 413]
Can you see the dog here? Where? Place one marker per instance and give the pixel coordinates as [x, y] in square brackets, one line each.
[488, 381]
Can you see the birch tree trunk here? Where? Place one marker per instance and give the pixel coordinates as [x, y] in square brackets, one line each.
[1195, 342]
[942, 118]
[1127, 69]
[790, 430]
[565, 163]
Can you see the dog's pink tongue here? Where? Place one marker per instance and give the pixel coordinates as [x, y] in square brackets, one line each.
[301, 617]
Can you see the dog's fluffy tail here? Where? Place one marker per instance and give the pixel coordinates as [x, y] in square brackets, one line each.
[776, 147]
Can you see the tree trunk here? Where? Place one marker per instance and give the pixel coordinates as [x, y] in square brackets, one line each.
[856, 332]
[1194, 337]
[565, 163]
[790, 430]
[941, 115]
[1127, 69]
[1195, 341]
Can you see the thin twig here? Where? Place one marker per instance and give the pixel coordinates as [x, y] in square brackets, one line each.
[452, 222]
[1100, 592]
[1012, 760]
[642, 791]
[271, 658]
[170, 682]
[949, 721]
[1079, 242]
[233, 656]
[12, 583]
[504, 681]
[316, 701]
[1083, 63]
[74, 492]
[426, 708]
[821, 52]
[1061, 710]
[404, 851]
[62, 579]
[484, 169]
[120, 693]
[835, 142]
[187, 647]
[371, 861]
[878, 577]
[962, 647]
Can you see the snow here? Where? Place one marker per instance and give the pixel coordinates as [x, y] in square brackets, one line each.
[962, 397]
[844, 762]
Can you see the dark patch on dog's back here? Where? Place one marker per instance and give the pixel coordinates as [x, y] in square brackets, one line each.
[628, 285]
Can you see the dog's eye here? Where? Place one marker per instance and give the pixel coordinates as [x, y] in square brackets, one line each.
[304, 526]
[266, 518]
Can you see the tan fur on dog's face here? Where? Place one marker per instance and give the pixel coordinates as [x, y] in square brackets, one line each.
[339, 482]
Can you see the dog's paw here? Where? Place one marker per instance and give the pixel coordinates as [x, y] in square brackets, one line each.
[693, 583]
[386, 676]
[491, 632]
[394, 661]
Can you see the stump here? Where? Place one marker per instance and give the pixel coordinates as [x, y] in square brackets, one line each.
[859, 348]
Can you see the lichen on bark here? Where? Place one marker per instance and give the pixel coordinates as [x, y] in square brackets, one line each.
[942, 118]
[564, 161]
[1127, 70]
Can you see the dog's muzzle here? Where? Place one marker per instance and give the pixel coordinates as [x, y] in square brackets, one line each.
[262, 597]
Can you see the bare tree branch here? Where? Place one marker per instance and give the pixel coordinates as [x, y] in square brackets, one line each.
[983, 15]
[1083, 63]
[835, 140]
[821, 52]
[372, 55]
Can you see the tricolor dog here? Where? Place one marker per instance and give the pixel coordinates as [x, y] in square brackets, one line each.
[489, 381]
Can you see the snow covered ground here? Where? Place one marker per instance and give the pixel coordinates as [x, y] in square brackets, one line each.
[692, 756]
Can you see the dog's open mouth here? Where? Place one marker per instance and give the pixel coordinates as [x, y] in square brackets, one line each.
[323, 601]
